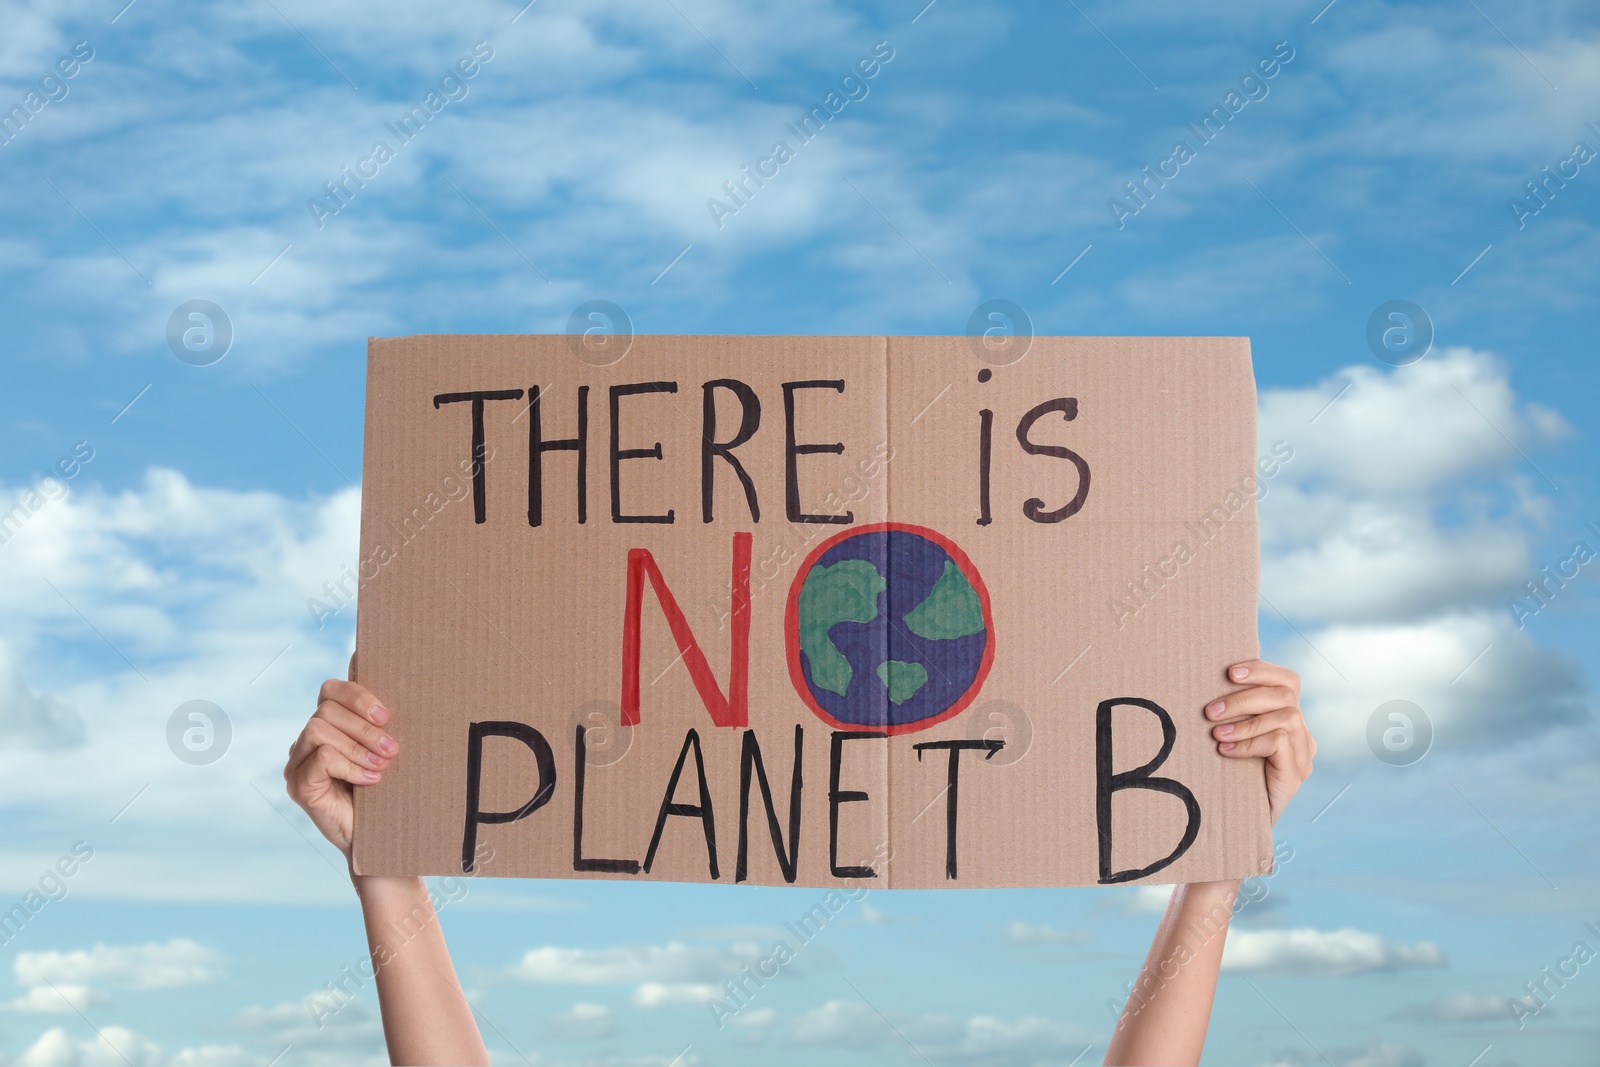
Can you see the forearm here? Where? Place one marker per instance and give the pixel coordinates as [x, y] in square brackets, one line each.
[1165, 1019]
[426, 1018]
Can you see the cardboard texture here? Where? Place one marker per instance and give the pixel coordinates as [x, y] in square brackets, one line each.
[969, 594]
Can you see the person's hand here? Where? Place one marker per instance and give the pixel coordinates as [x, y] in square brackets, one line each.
[1265, 720]
[343, 746]
[426, 1017]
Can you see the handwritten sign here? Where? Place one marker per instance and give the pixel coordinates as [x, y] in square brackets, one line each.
[810, 610]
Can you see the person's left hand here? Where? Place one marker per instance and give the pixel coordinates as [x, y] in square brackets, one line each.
[1265, 720]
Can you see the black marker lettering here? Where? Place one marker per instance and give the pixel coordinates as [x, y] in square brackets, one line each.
[837, 796]
[480, 453]
[985, 453]
[537, 447]
[750, 759]
[989, 748]
[711, 448]
[1034, 508]
[618, 454]
[542, 756]
[701, 811]
[579, 863]
[1108, 783]
[792, 452]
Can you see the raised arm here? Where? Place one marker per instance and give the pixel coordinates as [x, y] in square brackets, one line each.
[426, 1017]
[1165, 1019]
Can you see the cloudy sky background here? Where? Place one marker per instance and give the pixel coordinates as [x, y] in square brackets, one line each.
[1417, 901]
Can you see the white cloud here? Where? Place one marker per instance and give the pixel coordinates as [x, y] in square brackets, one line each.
[990, 1041]
[116, 1046]
[581, 1022]
[1383, 560]
[632, 965]
[1514, 687]
[1383, 1054]
[185, 592]
[1307, 951]
[177, 963]
[980, 1040]
[29, 718]
[1394, 536]
[587, 152]
[1149, 899]
[1423, 430]
[1465, 1006]
[754, 1019]
[34, 38]
[413, 34]
[874, 916]
[849, 1023]
[675, 994]
[213, 1056]
[590, 177]
[352, 1034]
[64, 997]
[1032, 934]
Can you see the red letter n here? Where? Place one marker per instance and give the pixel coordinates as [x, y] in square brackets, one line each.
[732, 709]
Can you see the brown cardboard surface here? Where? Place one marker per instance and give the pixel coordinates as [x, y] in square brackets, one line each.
[1034, 636]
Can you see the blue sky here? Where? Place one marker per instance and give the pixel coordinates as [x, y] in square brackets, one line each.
[1376, 164]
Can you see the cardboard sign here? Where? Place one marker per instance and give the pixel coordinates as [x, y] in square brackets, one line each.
[809, 609]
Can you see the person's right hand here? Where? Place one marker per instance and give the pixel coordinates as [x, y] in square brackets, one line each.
[343, 746]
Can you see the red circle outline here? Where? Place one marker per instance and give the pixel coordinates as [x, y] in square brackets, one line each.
[791, 627]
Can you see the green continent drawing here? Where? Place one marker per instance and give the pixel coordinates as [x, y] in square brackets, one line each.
[845, 592]
[951, 610]
[902, 678]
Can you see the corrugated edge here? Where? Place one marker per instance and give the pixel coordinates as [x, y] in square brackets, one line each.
[1255, 508]
[1253, 433]
[374, 346]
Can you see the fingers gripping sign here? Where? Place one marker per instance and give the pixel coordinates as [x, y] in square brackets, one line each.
[343, 745]
[1264, 721]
